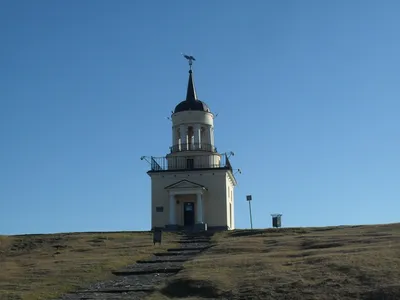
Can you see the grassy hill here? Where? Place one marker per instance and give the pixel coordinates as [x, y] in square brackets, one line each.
[349, 262]
[358, 262]
[44, 266]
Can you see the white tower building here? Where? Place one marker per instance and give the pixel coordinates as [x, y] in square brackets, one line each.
[193, 186]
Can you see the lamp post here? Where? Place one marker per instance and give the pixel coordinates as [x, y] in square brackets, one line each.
[248, 198]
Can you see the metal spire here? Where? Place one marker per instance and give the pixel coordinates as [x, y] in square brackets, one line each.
[191, 91]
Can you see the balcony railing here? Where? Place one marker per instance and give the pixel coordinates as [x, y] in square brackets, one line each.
[193, 147]
[182, 163]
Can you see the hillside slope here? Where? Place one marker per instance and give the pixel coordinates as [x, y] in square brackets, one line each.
[45, 266]
[354, 262]
[357, 262]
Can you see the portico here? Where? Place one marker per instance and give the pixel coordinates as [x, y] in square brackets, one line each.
[186, 200]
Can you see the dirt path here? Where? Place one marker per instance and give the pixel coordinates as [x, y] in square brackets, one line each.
[140, 279]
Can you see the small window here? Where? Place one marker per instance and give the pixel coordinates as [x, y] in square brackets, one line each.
[159, 208]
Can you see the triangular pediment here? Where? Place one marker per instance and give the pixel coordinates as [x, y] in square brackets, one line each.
[185, 184]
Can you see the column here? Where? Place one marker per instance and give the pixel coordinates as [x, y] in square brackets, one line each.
[197, 132]
[212, 136]
[183, 131]
[172, 209]
[199, 208]
[174, 135]
[209, 134]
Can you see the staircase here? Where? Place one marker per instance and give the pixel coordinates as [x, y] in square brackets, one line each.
[140, 279]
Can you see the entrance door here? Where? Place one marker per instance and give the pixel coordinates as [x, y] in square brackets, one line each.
[188, 213]
[190, 163]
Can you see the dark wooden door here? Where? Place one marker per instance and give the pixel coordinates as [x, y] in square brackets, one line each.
[188, 213]
[190, 163]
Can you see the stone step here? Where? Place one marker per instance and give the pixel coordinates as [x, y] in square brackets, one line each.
[128, 272]
[150, 268]
[108, 296]
[135, 282]
[182, 241]
[198, 234]
[195, 238]
[196, 245]
[179, 253]
[193, 244]
[161, 261]
[187, 249]
[172, 258]
[190, 241]
[118, 290]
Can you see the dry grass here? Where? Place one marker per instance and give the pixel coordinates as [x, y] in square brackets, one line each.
[44, 266]
[359, 262]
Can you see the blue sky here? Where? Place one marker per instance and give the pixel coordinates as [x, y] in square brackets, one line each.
[306, 94]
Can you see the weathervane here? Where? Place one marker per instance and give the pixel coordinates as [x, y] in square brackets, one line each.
[190, 59]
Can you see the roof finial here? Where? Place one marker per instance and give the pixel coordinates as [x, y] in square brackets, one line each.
[191, 91]
[190, 59]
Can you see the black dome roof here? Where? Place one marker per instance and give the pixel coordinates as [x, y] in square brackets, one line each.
[191, 102]
[192, 105]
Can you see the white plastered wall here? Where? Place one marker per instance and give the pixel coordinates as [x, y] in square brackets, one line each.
[214, 198]
[230, 196]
